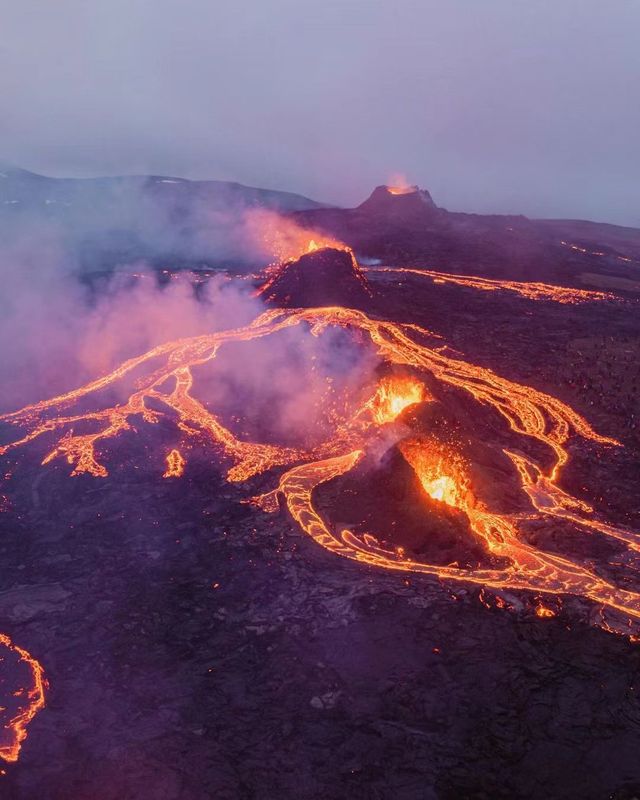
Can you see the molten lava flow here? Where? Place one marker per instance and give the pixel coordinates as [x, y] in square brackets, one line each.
[531, 416]
[440, 480]
[532, 291]
[579, 249]
[393, 395]
[175, 464]
[31, 699]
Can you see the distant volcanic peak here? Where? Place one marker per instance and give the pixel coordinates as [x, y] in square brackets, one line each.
[398, 201]
[326, 276]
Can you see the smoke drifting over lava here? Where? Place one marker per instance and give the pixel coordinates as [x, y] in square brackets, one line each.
[57, 332]
[60, 324]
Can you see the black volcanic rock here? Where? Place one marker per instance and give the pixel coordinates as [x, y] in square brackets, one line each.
[324, 277]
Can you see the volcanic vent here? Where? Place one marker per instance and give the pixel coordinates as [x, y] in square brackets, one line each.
[386, 501]
[324, 277]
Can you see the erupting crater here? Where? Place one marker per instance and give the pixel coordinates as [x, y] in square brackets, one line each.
[383, 500]
[323, 276]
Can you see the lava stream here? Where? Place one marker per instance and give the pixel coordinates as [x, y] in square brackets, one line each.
[531, 415]
[532, 291]
[32, 697]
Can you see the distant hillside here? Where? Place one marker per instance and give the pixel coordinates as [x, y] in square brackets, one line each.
[108, 221]
[21, 187]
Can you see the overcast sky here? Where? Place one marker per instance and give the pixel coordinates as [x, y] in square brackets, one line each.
[528, 106]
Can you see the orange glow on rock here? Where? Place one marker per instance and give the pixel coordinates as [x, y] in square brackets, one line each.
[175, 464]
[442, 481]
[284, 240]
[398, 184]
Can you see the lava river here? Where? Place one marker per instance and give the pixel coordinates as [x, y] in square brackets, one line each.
[165, 388]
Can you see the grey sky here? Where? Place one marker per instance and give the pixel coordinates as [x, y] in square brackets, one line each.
[528, 106]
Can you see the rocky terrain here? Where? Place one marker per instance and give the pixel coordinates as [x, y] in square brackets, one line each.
[198, 647]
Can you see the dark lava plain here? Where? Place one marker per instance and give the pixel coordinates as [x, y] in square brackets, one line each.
[198, 648]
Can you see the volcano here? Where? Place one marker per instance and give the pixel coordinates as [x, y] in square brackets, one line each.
[324, 277]
[386, 500]
[410, 204]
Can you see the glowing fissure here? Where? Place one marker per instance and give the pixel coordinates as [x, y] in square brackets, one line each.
[175, 464]
[532, 291]
[579, 249]
[32, 700]
[529, 414]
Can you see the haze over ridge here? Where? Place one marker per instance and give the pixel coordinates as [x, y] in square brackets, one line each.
[495, 107]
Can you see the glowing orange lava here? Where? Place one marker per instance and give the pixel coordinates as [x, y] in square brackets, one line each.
[288, 242]
[441, 480]
[401, 189]
[394, 394]
[532, 291]
[531, 416]
[285, 240]
[31, 700]
[579, 249]
[175, 464]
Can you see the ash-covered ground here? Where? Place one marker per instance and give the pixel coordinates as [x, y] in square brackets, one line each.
[197, 647]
